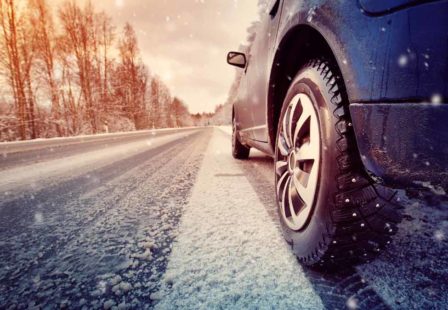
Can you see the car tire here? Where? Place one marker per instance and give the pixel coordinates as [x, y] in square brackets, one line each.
[331, 212]
[239, 151]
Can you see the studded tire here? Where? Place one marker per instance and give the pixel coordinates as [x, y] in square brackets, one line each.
[351, 218]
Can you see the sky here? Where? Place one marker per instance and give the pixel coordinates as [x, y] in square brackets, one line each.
[185, 42]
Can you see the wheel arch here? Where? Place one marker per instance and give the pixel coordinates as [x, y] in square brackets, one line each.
[298, 46]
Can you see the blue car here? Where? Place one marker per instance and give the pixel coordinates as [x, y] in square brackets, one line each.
[350, 98]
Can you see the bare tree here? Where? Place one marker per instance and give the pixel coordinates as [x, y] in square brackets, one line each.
[133, 75]
[107, 37]
[13, 61]
[73, 68]
[155, 103]
[45, 42]
[79, 29]
[180, 113]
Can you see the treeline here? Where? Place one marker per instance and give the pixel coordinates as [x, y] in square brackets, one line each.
[69, 71]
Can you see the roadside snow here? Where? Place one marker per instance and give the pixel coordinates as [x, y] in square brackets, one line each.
[226, 129]
[229, 254]
[20, 146]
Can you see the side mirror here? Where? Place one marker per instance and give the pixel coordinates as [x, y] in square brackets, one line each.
[237, 59]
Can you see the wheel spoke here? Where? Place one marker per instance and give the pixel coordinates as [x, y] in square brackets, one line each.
[305, 193]
[281, 167]
[282, 179]
[306, 152]
[288, 121]
[284, 194]
[285, 127]
[291, 120]
[300, 127]
[281, 145]
[294, 200]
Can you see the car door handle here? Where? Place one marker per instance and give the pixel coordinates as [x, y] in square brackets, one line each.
[274, 9]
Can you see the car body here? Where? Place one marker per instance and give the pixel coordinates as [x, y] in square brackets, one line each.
[349, 99]
[393, 59]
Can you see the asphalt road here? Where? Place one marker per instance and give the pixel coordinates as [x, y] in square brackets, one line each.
[168, 219]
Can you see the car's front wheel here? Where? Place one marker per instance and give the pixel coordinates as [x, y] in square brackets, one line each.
[331, 212]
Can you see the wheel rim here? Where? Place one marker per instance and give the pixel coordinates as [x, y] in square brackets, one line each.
[297, 161]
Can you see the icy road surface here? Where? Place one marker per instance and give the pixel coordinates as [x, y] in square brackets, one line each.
[167, 219]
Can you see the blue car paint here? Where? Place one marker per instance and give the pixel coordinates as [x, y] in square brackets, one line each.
[393, 56]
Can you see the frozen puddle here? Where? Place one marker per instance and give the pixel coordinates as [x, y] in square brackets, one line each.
[228, 253]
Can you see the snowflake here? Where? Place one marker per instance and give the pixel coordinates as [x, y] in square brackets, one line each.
[352, 303]
[436, 99]
[403, 61]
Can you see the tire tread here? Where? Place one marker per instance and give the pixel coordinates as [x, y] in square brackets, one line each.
[365, 215]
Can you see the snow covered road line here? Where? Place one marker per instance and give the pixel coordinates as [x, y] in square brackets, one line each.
[229, 254]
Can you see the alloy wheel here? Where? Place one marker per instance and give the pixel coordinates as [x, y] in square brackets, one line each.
[297, 161]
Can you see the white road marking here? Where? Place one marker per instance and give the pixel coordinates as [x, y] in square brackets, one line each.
[228, 253]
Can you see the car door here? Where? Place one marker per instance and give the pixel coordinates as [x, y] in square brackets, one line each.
[241, 108]
[257, 75]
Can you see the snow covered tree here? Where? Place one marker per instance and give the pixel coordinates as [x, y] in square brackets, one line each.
[134, 77]
[180, 115]
[45, 44]
[16, 60]
[78, 25]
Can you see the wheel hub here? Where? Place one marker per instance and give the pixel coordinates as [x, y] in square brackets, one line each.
[297, 161]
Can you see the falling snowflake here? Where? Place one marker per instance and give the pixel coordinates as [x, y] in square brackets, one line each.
[352, 303]
[311, 14]
[436, 99]
[403, 61]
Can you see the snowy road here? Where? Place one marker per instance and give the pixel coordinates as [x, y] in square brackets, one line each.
[169, 220]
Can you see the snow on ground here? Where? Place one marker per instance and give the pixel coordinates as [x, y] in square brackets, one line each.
[229, 254]
[226, 129]
[79, 163]
[412, 273]
[100, 240]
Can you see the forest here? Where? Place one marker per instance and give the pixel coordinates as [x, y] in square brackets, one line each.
[69, 70]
